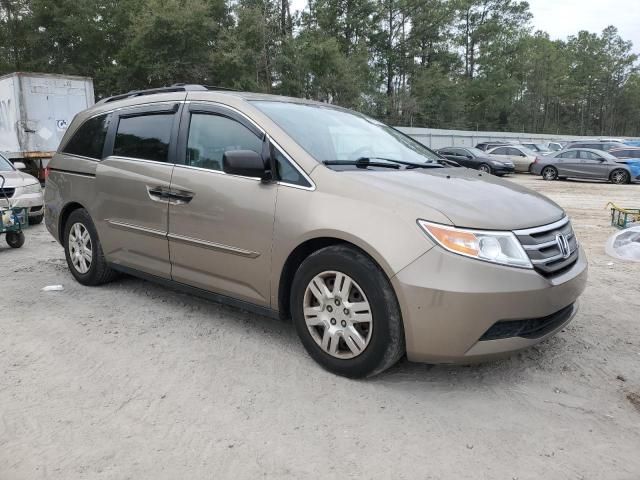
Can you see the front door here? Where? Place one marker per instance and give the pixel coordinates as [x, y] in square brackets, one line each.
[593, 165]
[131, 185]
[221, 227]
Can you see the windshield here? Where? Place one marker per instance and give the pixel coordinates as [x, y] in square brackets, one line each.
[5, 165]
[528, 151]
[541, 147]
[476, 152]
[331, 134]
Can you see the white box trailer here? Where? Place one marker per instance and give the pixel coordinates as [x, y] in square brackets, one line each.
[35, 111]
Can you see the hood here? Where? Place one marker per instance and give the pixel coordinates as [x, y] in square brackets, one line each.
[468, 198]
[16, 178]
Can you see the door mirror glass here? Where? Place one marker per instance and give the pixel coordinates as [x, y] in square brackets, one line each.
[19, 166]
[244, 162]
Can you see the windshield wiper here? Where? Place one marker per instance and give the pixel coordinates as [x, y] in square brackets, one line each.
[402, 162]
[361, 163]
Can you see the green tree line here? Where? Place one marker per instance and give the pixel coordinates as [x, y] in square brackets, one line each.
[464, 64]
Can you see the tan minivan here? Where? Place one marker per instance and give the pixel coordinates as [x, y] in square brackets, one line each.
[304, 210]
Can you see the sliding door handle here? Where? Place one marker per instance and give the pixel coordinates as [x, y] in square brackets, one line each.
[158, 193]
[180, 197]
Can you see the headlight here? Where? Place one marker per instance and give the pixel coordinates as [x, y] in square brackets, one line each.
[35, 188]
[497, 247]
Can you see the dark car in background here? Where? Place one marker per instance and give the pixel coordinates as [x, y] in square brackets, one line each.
[484, 146]
[587, 163]
[595, 144]
[539, 148]
[626, 152]
[477, 159]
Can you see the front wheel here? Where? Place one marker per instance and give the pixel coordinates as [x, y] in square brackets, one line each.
[346, 312]
[619, 176]
[15, 239]
[484, 168]
[83, 250]
[549, 173]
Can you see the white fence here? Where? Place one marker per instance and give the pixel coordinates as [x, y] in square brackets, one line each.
[435, 138]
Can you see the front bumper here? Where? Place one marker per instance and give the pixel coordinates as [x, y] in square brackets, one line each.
[503, 170]
[34, 202]
[449, 302]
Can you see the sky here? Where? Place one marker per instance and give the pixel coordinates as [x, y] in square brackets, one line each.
[561, 18]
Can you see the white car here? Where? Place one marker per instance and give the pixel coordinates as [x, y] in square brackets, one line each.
[22, 190]
[521, 157]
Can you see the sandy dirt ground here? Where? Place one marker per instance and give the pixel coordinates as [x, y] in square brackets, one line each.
[132, 380]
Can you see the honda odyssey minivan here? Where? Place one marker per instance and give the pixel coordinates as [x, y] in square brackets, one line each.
[303, 210]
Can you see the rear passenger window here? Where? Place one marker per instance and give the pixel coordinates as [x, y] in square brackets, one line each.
[569, 154]
[145, 136]
[88, 141]
[212, 135]
[500, 151]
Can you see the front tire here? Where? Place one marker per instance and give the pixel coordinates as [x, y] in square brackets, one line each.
[346, 313]
[619, 176]
[485, 168]
[549, 173]
[83, 250]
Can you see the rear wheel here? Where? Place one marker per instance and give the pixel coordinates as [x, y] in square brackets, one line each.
[83, 250]
[549, 173]
[346, 313]
[15, 239]
[36, 220]
[619, 176]
[484, 168]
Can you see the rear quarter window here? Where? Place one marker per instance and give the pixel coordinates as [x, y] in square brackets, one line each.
[145, 137]
[88, 140]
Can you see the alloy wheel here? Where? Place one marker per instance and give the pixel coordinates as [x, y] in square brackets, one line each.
[549, 173]
[484, 168]
[619, 176]
[338, 314]
[80, 248]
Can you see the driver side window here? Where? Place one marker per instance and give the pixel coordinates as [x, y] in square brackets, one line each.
[589, 155]
[210, 136]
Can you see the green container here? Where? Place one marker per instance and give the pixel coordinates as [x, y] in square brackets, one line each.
[18, 219]
[624, 217]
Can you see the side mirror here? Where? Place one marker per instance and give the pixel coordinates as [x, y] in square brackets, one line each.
[244, 162]
[468, 157]
[19, 165]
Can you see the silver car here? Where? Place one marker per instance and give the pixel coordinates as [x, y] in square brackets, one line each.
[22, 190]
[583, 163]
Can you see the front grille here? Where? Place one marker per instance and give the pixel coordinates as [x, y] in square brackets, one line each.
[530, 328]
[544, 249]
[7, 192]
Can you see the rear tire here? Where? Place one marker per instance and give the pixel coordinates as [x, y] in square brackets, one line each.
[320, 323]
[15, 239]
[485, 168]
[549, 173]
[84, 254]
[619, 176]
[36, 220]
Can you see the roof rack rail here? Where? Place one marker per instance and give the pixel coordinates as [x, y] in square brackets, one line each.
[176, 87]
